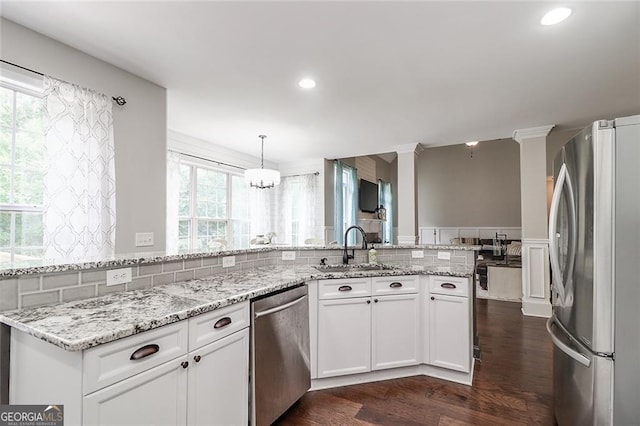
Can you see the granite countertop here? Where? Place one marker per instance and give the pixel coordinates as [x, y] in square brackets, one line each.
[87, 323]
[46, 266]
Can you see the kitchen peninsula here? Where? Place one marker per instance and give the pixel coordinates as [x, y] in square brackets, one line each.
[70, 343]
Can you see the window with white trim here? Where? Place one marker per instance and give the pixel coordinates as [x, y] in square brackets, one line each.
[213, 208]
[22, 163]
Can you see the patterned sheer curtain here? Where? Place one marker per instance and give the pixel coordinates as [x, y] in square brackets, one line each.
[386, 200]
[79, 184]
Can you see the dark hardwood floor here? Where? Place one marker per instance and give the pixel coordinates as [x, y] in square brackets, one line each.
[512, 385]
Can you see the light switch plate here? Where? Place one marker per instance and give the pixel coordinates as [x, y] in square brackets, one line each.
[417, 254]
[144, 239]
[119, 276]
[228, 261]
[288, 255]
[444, 255]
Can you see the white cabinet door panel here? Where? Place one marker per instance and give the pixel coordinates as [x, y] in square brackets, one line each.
[154, 397]
[344, 336]
[449, 336]
[219, 382]
[395, 331]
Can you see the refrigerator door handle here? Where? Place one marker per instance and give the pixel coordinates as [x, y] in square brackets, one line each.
[553, 241]
[564, 347]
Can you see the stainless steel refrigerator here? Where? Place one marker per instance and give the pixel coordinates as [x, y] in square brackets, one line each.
[594, 247]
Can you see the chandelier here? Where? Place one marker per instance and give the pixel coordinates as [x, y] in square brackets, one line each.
[262, 178]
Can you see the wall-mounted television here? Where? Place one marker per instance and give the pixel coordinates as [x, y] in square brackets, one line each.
[368, 196]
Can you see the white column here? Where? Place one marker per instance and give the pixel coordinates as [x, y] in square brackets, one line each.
[406, 193]
[533, 201]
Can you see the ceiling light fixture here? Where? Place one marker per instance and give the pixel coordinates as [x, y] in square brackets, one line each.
[555, 16]
[307, 83]
[262, 178]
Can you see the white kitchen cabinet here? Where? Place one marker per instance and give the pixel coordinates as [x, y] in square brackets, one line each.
[395, 331]
[449, 337]
[344, 336]
[154, 397]
[148, 378]
[361, 334]
[218, 382]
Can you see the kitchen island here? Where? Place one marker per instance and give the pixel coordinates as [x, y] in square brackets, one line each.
[71, 343]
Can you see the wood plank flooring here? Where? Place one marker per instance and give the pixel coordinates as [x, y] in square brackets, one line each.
[511, 386]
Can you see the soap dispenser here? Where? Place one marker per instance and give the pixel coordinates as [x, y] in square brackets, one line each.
[373, 255]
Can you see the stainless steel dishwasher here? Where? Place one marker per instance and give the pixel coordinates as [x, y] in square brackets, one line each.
[280, 363]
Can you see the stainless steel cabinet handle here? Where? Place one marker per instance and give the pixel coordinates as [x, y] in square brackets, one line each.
[279, 308]
[395, 284]
[144, 352]
[184, 364]
[448, 285]
[564, 347]
[197, 358]
[222, 322]
[345, 288]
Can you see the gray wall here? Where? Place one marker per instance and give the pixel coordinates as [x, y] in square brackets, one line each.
[140, 127]
[457, 190]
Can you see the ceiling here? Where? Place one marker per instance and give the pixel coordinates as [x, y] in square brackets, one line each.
[388, 73]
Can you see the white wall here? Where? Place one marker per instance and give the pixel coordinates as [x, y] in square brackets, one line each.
[139, 127]
[457, 190]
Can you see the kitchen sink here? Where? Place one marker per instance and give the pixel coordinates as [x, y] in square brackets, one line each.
[352, 268]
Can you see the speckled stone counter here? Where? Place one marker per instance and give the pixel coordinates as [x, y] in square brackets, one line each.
[86, 323]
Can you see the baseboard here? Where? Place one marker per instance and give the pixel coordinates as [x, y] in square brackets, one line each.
[536, 308]
[395, 373]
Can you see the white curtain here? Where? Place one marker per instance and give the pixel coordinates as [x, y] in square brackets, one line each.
[173, 200]
[291, 209]
[79, 184]
[386, 201]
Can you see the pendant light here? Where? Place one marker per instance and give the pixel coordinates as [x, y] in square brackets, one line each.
[262, 178]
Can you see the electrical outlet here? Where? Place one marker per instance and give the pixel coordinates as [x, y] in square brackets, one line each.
[144, 239]
[288, 255]
[228, 261]
[444, 255]
[417, 254]
[119, 276]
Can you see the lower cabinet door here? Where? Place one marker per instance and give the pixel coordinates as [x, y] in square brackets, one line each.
[449, 334]
[155, 397]
[218, 389]
[395, 332]
[344, 336]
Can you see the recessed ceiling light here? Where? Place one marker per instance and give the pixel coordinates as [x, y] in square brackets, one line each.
[473, 143]
[307, 83]
[555, 16]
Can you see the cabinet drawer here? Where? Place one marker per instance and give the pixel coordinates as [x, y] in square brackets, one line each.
[454, 286]
[214, 325]
[395, 285]
[344, 288]
[109, 363]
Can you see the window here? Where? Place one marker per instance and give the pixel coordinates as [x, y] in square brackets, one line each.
[212, 205]
[386, 201]
[22, 161]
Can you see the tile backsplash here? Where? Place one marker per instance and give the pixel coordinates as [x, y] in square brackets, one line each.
[35, 290]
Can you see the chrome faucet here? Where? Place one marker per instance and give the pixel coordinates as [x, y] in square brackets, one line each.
[345, 255]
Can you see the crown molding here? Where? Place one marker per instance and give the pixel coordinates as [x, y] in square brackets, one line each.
[415, 148]
[532, 132]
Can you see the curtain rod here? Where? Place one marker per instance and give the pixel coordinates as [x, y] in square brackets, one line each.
[229, 165]
[117, 99]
